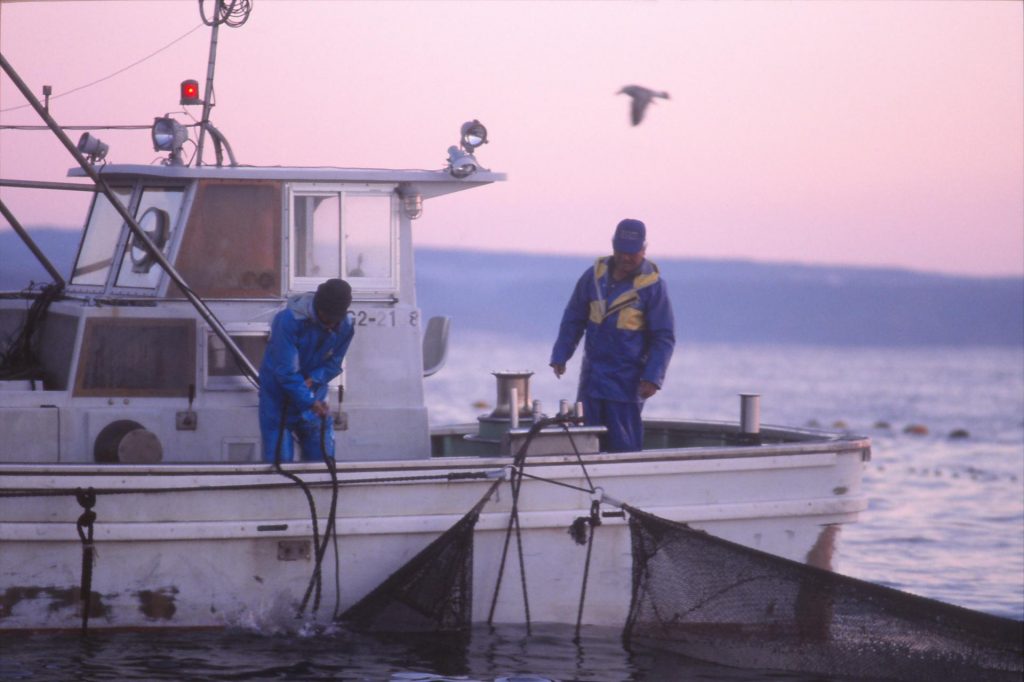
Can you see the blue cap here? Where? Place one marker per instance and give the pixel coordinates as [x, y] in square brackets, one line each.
[630, 236]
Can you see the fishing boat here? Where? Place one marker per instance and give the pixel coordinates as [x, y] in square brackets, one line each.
[133, 489]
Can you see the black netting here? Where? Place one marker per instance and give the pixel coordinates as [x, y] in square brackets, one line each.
[432, 592]
[715, 600]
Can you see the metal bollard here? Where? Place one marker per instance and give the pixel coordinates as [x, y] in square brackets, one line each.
[750, 413]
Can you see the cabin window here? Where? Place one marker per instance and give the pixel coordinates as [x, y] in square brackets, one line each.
[157, 215]
[222, 370]
[136, 357]
[341, 231]
[232, 245]
[316, 252]
[101, 233]
[367, 238]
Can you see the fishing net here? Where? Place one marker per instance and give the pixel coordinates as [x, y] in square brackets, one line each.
[432, 592]
[711, 599]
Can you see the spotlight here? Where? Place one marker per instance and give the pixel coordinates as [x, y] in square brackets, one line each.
[91, 146]
[461, 164]
[473, 135]
[169, 136]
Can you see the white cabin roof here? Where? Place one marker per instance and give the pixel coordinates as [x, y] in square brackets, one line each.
[426, 183]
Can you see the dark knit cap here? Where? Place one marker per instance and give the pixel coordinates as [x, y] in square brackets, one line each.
[333, 298]
[630, 236]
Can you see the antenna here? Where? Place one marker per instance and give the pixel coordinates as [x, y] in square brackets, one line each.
[234, 14]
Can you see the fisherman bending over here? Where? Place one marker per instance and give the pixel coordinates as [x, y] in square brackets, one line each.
[622, 305]
[308, 341]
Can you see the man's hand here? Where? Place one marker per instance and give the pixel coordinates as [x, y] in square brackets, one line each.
[646, 389]
[559, 370]
[320, 408]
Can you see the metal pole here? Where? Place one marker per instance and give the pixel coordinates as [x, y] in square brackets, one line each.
[140, 235]
[208, 96]
[40, 184]
[31, 245]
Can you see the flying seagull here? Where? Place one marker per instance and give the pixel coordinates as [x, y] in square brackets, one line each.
[641, 98]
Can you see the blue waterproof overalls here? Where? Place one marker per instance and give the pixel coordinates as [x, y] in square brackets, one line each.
[300, 348]
[630, 336]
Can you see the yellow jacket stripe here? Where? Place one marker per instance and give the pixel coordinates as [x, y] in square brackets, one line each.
[629, 318]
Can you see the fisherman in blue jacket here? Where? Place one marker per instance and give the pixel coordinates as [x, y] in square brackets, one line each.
[622, 305]
[308, 341]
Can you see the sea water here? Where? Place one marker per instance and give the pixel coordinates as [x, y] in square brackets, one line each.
[945, 518]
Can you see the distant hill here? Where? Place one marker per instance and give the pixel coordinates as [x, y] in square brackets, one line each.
[523, 295]
[17, 264]
[737, 301]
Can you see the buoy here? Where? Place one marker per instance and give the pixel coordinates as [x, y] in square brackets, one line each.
[959, 433]
[916, 429]
[881, 424]
[839, 424]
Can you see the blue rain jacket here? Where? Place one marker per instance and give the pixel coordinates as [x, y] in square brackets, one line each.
[630, 331]
[300, 348]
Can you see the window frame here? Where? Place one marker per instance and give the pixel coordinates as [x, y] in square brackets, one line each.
[234, 382]
[362, 287]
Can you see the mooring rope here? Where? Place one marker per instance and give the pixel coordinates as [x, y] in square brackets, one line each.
[84, 526]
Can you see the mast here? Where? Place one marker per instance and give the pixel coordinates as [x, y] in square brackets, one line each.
[234, 15]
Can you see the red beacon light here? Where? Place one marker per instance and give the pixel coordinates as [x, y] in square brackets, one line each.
[190, 92]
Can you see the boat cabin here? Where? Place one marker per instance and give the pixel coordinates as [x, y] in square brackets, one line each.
[132, 372]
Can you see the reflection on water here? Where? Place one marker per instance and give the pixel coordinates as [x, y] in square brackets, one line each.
[548, 653]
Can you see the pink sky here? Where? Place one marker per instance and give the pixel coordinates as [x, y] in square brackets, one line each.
[866, 133]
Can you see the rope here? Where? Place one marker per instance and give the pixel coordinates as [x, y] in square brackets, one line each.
[594, 520]
[321, 549]
[518, 465]
[61, 492]
[20, 360]
[579, 457]
[513, 522]
[308, 494]
[84, 526]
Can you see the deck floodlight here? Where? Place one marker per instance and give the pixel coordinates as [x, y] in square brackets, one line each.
[169, 136]
[190, 92]
[92, 147]
[461, 164]
[473, 135]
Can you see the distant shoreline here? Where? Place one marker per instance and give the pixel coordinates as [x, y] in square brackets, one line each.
[522, 295]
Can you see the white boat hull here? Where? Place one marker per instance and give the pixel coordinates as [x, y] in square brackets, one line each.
[224, 545]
